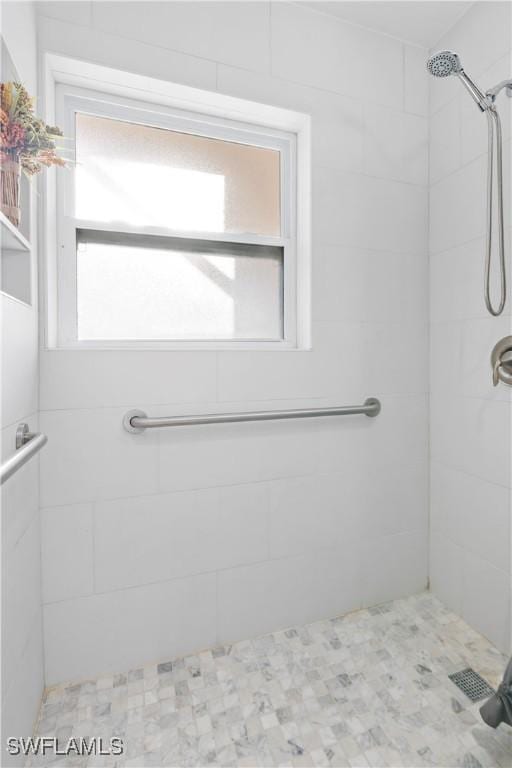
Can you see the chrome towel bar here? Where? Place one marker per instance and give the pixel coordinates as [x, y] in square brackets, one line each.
[137, 421]
[27, 445]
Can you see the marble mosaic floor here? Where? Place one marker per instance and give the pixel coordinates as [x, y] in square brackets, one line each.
[367, 689]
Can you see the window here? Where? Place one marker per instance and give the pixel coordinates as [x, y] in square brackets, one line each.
[150, 287]
[174, 227]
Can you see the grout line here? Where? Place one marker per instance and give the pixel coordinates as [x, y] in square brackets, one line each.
[93, 542]
[404, 76]
[211, 488]
[341, 95]
[372, 30]
[455, 23]
[429, 354]
[135, 41]
[270, 40]
[457, 246]
[457, 468]
[473, 160]
[217, 623]
[289, 557]
[424, 185]
[460, 470]
[457, 321]
[441, 533]
[268, 514]
[327, 398]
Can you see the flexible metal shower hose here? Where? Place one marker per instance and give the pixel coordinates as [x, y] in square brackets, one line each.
[494, 123]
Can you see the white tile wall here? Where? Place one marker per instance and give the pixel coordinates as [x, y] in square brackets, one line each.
[21, 601]
[445, 572]
[457, 207]
[470, 419]
[219, 533]
[327, 583]
[222, 31]
[315, 512]
[151, 539]
[121, 378]
[22, 644]
[125, 628]
[472, 434]
[20, 704]
[205, 457]
[404, 560]
[77, 12]
[353, 285]
[90, 456]
[107, 49]
[457, 503]
[445, 139]
[379, 214]
[396, 145]
[19, 361]
[328, 54]
[486, 599]
[67, 547]
[416, 93]
[277, 593]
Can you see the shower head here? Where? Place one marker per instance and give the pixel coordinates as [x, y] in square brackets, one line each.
[444, 63]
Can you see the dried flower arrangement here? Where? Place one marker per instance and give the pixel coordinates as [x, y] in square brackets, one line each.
[26, 144]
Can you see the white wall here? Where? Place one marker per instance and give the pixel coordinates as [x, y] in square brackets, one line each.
[22, 651]
[470, 420]
[163, 543]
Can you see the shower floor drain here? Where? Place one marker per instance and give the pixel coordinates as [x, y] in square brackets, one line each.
[470, 683]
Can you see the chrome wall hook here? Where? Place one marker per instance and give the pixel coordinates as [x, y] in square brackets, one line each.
[501, 361]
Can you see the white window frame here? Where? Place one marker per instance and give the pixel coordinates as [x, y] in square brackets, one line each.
[212, 115]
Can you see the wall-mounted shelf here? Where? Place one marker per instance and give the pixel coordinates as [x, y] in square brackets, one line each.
[10, 237]
[16, 276]
[15, 262]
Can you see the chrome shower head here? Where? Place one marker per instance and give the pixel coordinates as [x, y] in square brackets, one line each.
[444, 63]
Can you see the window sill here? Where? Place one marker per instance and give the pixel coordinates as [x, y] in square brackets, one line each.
[213, 346]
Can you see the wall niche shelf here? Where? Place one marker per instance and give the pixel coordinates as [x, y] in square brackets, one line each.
[15, 247]
[11, 237]
[15, 265]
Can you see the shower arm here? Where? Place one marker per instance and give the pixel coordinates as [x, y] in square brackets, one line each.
[492, 93]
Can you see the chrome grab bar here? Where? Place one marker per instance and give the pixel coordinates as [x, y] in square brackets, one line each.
[27, 445]
[137, 421]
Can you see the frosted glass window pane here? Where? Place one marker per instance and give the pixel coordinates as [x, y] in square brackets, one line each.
[146, 176]
[140, 292]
